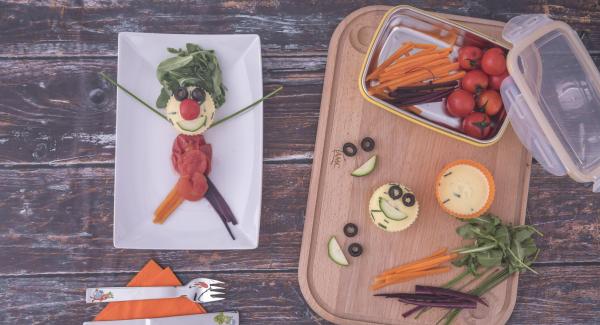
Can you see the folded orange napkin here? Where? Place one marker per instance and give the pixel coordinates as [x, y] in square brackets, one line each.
[151, 275]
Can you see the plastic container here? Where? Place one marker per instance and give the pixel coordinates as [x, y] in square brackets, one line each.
[406, 23]
[552, 97]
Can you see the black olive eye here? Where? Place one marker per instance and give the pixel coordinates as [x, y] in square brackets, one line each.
[350, 230]
[395, 192]
[198, 95]
[181, 93]
[367, 144]
[349, 149]
[355, 249]
[409, 199]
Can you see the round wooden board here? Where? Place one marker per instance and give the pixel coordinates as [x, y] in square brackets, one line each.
[408, 154]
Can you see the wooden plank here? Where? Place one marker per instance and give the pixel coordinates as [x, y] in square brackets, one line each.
[559, 296]
[62, 112]
[567, 213]
[89, 28]
[60, 220]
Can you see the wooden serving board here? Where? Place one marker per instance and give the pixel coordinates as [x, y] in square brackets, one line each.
[409, 154]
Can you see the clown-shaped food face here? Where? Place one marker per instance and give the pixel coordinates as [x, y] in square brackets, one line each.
[191, 110]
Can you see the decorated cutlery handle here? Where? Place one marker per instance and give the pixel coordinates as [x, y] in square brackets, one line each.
[94, 295]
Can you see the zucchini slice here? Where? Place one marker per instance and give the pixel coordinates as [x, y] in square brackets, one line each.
[366, 168]
[335, 252]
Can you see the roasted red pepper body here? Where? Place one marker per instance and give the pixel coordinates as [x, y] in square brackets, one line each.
[191, 157]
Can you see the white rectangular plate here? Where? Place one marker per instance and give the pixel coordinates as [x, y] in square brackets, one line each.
[143, 171]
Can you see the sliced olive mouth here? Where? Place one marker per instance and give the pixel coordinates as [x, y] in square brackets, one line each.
[196, 129]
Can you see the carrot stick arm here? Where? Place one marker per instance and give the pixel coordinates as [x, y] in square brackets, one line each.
[167, 206]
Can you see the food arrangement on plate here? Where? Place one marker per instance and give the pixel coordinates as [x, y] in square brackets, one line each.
[191, 93]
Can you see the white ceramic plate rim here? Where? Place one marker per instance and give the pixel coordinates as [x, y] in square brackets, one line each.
[247, 232]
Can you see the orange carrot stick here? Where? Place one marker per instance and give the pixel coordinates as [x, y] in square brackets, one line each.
[397, 277]
[450, 77]
[394, 279]
[440, 252]
[420, 266]
[167, 206]
[424, 46]
[401, 51]
[387, 76]
[422, 76]
[423, 56]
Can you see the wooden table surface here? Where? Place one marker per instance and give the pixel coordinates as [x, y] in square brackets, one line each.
[57, 142]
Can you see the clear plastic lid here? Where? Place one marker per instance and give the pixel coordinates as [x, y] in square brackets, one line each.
[552, 96]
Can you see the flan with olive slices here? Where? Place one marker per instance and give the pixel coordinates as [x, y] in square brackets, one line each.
[393, 207]
[465, 189]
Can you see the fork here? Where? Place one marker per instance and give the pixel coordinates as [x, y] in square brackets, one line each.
[198, 290]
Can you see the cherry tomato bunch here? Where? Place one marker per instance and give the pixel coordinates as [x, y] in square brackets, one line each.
[478, 100]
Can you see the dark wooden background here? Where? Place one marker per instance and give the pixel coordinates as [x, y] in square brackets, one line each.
[57, 124]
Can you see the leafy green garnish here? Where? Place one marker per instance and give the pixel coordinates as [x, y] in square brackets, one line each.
[495, 245]
[193, 66]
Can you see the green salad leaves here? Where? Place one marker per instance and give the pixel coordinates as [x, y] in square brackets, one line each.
[192, 66]
[496, 244]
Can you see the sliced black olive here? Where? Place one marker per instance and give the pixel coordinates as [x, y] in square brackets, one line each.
[181, 93]
[350, 230]
[349, 149]
[395, 192]
[355, 249]
[198, 95]
[409, 199]
[367, 144]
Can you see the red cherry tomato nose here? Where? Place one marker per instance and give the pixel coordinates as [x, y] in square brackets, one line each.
[189, 109]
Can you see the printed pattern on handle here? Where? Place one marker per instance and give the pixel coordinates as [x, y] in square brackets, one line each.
[96, 295]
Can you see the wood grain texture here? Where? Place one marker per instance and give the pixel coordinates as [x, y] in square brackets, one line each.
[62, 112]
[559, 296]
[89, 28]
[60, 220]
[56, 155]
[407, 153]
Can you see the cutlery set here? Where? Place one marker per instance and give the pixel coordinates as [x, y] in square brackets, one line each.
[199, 290]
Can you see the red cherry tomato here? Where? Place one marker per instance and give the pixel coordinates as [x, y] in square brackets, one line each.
[489, 102]
[493, 62]
[495, 50]
[496, 81]
[189, 109]
[474, 81]
[460, 103]
[469, 57]
[477, 125]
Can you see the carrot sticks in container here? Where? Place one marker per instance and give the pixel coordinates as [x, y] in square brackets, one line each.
[414, 64]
